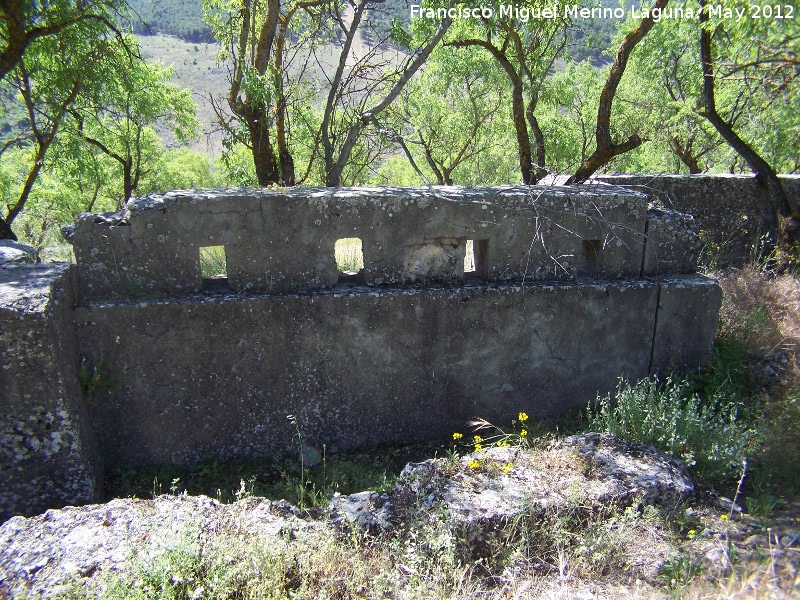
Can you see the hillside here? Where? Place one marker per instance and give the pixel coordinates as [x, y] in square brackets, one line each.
[184, 19]
[194, 66]
[180, 18]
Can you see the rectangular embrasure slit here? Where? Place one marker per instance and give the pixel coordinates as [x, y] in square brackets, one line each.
[213, 266]
[475, 257]
[349, 253]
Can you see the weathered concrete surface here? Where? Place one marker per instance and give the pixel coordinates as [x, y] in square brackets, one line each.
[76, 548]
[359, 367]
[730, 210]
[282, 241]
[673, 245]
[46, 453]
[686, 323]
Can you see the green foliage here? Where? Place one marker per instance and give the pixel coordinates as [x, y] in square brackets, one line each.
[452, 111]
[236, 166]
[704, 433]
[349, 254]
[92, 106]
[179, 169]
[679, 572]
[213, 262]
[100, 378]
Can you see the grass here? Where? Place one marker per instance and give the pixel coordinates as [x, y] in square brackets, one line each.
[213, 262]
[341, 473]
[349, 255]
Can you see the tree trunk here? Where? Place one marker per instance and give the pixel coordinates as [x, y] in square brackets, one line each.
[26, 188]
[606, 150]
[127, 180]
[264, 159]
[517, 105]
[684, 153]
[538, 138]
[17, 38]
[5, 231]
[432, 163]
[523, 139]
[334, 165]
[784, 220]
[284, 155]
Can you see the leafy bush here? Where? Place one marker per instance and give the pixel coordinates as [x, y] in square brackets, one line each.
[703, 434]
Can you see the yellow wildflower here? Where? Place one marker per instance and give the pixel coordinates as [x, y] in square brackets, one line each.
[692, 532]
[523, 417]
[478, 439]
[724, 517]
[478, 447]
[524, 432]
[457, 436]
[474, 463]
[507, 467]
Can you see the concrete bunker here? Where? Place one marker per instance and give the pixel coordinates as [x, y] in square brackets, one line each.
[561, 303]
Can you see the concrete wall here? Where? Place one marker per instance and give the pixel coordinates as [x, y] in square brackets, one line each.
[573, 289]
[218, 376]
[47, 453]
[730, 210]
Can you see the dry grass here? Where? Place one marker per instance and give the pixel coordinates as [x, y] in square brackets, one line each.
[349, 255]
[749, 290]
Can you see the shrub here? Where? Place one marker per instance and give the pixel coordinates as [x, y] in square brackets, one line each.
[704, 434]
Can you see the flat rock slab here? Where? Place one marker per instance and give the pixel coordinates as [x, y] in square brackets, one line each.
[76, 545]
[16, 253]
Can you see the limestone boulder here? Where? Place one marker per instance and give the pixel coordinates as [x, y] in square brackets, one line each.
[483, 491]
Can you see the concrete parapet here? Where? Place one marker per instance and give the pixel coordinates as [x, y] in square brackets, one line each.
[47, 455]
[686, 322]
[283, 241]
[672, 243]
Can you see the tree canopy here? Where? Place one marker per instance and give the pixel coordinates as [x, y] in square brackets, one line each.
[325, 92]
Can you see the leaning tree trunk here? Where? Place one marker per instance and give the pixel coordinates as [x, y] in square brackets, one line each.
[783, 219]
[517, 105]
[606, 150]
[684, 154]
[523, 139]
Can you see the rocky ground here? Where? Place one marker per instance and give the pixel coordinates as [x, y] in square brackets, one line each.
[587, 517]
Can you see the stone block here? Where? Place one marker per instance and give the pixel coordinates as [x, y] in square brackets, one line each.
[360, 367]
[14, 252]
[282, 242]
